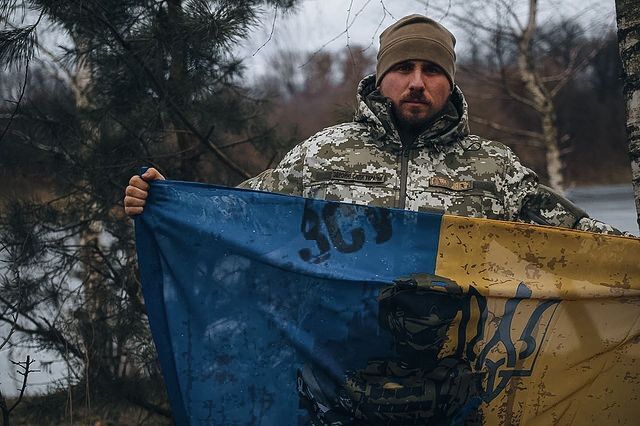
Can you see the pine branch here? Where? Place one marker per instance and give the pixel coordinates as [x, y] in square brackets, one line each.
[17, 45]
[12, 329]
[162, 94]
[45, 331]
[15, 110]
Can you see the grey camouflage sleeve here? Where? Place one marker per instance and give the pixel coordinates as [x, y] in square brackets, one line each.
[594, 225]
[531, 202]
[519, 183]
[544, 206]
[285, 178]
[547, 207]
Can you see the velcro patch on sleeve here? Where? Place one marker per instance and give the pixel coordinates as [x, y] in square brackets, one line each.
[442, 182]
[360, 177]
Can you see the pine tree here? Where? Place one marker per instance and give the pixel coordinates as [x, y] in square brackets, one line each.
[150, 82]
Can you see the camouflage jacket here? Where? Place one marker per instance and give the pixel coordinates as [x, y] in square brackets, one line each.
[445, 169]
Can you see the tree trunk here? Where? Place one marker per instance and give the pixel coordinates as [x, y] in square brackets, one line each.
[628, 17]
[541, 99]
[176, 82]
[554, 161]
[91, 315]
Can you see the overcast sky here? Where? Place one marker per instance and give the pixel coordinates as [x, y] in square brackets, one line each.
[322, 24]
[333, 24]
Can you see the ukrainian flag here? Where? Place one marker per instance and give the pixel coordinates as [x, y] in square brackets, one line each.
[276, 310]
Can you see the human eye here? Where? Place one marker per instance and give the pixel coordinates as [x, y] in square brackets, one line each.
[431, 69]
[404, 67]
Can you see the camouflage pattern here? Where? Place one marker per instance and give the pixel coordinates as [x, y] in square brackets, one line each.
[448, 169]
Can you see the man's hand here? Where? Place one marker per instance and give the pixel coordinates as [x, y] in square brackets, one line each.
[135, 196]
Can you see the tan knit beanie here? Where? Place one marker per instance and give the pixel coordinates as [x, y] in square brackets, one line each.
[416, 37]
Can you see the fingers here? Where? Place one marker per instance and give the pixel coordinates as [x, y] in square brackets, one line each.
[137, 182]
[152, 174]
[134, 202]
[135, 196]
[134, 205]
[133, 211]
[137, 191]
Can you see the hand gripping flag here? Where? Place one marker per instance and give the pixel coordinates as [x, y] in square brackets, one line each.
[277, 310]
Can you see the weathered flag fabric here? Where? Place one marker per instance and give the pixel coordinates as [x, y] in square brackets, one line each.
[277, 310]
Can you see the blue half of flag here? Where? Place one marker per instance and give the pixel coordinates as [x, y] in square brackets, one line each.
[255, 298]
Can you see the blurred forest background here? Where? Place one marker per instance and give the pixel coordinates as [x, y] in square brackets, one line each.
[157, 83]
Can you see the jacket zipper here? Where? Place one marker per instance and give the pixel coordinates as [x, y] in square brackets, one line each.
[404, 168]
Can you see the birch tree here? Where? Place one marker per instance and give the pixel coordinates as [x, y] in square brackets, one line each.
[540, 98]
[515, 41]
[628, 18]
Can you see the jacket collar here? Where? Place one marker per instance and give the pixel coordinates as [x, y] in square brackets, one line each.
[449, 126]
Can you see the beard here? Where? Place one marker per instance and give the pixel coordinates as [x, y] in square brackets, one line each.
[415, 110]
[414, 114]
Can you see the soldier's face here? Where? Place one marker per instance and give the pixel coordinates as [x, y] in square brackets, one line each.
[417, 89]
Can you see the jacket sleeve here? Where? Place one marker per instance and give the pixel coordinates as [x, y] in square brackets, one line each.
[547, 207]
[285, 178]
[531, 202]
[594, 225]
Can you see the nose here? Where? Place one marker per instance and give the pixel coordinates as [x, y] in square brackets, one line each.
[415, 80]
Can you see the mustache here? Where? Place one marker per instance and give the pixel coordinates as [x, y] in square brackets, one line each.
[416, 97]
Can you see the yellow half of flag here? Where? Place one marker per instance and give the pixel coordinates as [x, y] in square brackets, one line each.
[552, 319]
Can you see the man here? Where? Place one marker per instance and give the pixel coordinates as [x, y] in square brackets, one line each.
[409, 147]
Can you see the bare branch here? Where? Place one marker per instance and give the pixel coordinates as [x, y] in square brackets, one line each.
[349, 25]
[385, 12]
[467, 21]
[24, 371]
[247, 140]
[529, 30]
[572, 70]
[536, 139]
[509, 10]
[273, 27]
